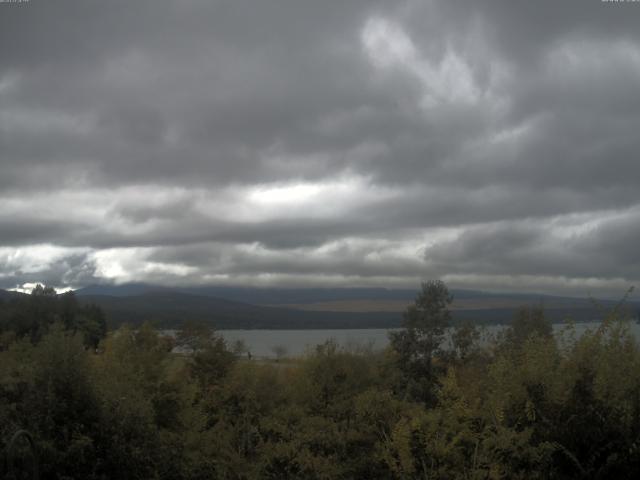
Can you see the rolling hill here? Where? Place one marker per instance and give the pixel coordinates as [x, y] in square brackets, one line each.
[168, 308]
[255, 308]
[245, 307]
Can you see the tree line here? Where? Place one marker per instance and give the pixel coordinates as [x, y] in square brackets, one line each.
[436, 405]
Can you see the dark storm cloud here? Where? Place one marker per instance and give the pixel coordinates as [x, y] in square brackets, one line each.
[169, 84]
[343, 258]
[502, 135]
[16, 232]
[604, 251]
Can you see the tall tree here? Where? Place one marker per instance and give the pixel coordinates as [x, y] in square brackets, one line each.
[419, 341]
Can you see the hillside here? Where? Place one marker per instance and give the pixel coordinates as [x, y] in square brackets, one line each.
[312, 308]
[167, 308]
[238, 308]
[8, 294]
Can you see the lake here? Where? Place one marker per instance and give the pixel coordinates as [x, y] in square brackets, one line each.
[261, 343]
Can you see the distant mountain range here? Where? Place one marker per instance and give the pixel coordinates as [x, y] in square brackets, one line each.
[250, 307]
[7, 294]
[258, 296]
[282, 296]
[304, 308]
[169, 308]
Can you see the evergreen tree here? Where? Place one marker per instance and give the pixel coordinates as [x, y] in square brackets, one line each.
[419, 341]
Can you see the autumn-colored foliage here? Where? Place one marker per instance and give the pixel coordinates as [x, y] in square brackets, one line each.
[525, 405]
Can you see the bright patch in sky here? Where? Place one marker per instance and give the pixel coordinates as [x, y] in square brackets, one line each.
[34, 258]
[287, 194]
[389, 46]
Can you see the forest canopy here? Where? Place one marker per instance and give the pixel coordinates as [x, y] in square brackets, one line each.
[123, 404]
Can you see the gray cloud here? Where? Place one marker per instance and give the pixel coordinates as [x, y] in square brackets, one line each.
[543, 249]
[71, 269]
[294, 143]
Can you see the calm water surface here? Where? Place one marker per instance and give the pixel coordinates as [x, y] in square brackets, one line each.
[262, 343]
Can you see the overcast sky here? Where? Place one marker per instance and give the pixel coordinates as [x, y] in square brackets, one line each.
[493, 144]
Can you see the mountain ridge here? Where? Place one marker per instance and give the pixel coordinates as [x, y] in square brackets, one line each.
[278, 295]
[312, 308]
